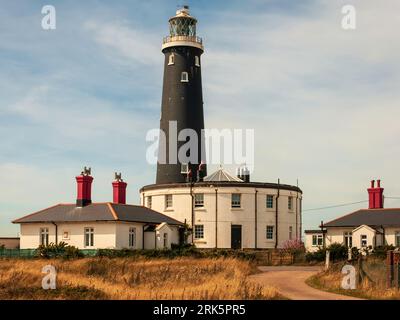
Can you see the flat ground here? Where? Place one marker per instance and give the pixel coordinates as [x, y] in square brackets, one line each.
[290, 282]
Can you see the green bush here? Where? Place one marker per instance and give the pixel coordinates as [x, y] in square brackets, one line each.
[186, 250]
[60, 250]
[381, 251]
[337, 251]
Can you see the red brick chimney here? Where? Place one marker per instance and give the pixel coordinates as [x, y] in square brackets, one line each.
[84, 184]
[375, 195]
[119, 190]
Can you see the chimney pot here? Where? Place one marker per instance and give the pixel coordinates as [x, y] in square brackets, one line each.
[372, 183]
[379, 183]
[84, 188]
[119, 190]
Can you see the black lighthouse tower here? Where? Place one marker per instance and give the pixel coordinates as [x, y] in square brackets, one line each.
[182, 100]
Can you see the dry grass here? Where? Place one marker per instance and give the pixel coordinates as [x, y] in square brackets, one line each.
[125, 278]
[331, 281]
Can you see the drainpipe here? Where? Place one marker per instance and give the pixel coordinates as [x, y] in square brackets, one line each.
[255, 219]
[276, 215]
[383, 236]
[192, 200]
[55, 224]
[216, 218]
[297, 213]
[143, 237]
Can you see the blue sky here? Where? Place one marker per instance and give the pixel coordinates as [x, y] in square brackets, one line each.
[323, 101]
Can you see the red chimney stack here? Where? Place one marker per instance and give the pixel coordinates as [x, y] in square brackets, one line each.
[119, 190]
[375, 195]
[84, 184]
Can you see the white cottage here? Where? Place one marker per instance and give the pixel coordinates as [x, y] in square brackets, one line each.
[109, 225]
[372, 227]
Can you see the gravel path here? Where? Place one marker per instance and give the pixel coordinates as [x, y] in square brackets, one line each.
[290, 282]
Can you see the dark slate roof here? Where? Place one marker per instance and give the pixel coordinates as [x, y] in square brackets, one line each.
[369, 217]
[313, 231]
[98, 212]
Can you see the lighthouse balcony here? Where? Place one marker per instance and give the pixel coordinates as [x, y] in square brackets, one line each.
[192, 41]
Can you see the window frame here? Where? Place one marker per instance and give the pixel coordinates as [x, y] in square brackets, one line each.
[319, 240]
[149, 202]
[169, 201]
[290, 232]
[88, 239]
[236, 204]
[199, 203]
[197, 61]
[44, 236]
[348, 239]
[290, 203]
[132, 237]
[196, 231]
[171, 59]
[269, 234]
[363, 237]
[184, 76]
[267, 202]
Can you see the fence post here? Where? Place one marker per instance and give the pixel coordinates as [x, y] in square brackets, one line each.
[389, 268]
[327, 259]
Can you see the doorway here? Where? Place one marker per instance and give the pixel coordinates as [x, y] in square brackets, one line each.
[236, 236]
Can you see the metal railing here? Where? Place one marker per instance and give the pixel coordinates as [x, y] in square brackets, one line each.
[183, 38]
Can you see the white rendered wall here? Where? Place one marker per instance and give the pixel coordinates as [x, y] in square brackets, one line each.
[244, 216]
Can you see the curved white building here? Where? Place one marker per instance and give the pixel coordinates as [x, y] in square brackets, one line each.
[226, 212]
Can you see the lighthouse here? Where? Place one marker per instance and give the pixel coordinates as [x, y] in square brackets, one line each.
[182, 101]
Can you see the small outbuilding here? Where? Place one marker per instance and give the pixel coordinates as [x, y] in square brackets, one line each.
[108, 225]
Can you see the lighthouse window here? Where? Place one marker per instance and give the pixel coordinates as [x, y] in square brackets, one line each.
[199, 231]
[270, 201]
[290, 203]
[171, 59]
[235, 201]
[168, 201]
[149, 201]
[199, 200]
[197, 61]
[184, 77]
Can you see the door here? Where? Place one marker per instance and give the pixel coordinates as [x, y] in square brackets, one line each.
[236, 236]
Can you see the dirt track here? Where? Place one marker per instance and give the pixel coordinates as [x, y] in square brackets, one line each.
[290, 281]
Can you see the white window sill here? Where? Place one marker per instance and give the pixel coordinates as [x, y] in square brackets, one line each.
[200, 209]
[168, 210]
[200, 241]
[237, 209]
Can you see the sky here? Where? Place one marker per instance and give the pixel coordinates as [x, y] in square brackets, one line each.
[323, 101]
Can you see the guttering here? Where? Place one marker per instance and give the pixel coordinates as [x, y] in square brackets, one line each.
[55, 224]
[276, 214]
[192, 200]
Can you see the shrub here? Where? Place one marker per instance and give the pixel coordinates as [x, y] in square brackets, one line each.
[338, 252]
[381, 251]
[60, 250]
[316, 256]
